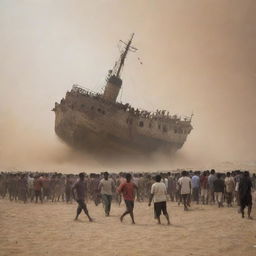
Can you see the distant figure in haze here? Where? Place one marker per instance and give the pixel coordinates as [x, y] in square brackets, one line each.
[128, 190]
[203, 187]
[38, 184]
[159, 194]
[195, 182]
[229, 188]
[106, 187]
[185, 189]
[245, 195]
[80, 188]
[211, 179]
[218, 187]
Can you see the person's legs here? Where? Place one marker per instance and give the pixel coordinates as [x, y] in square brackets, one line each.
[129, 209]
[157, 212]
[36, 194]
[82, 206]
[203, 195]
[249, 211]
[188, 199]
[105, 203]
[40, 196]
[184, 197]
[165, 213]
[109, 203]
[242, 210]
[78, 211]
[228, 197]
[126, 211]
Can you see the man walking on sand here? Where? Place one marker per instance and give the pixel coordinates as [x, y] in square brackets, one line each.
[107, 187]
[185, 189]
[80, 187]
[159, 194]
[245, 194]
[128, 190]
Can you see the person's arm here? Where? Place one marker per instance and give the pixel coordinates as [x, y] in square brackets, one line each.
[100, 186]
[151, 195]
[150, 199]
[120, 188]
[113, 186]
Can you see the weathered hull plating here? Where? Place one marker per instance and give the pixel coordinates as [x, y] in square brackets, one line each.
[90, 124]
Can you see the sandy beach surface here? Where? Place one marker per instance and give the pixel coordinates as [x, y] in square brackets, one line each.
[49, 229]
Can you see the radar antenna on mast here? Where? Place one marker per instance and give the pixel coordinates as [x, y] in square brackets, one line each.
[119, 65]
[114, 82]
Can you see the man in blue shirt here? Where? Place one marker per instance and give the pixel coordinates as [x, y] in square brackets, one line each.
[195, 183]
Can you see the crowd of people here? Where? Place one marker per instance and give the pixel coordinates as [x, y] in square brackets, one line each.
[202, 187]
[157, 115]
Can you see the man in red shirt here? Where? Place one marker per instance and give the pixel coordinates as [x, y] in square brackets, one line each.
[128, 190]
[38, 184]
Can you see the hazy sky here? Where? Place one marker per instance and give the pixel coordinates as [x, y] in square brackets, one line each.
[198, 56]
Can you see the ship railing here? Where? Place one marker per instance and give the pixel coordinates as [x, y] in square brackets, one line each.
[83, 90]
[157, 115]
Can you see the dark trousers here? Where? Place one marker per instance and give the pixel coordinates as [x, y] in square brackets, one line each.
[195, 194]
[81, 206]
[107, 203]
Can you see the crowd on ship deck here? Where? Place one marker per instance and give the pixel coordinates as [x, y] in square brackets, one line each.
[157, 115]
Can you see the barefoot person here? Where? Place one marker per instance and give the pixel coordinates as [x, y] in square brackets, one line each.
[106, 187]
[128, 190]
[159, 194]
[245, 195]
[185, 189]
[80, 187]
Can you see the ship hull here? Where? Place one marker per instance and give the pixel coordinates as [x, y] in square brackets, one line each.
[103, 129]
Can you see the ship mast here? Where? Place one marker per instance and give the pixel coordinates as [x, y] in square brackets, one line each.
[114, 82]
[123, 56]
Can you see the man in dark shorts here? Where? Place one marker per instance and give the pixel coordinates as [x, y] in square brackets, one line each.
[245, 194]
[79, 196]
[128, 190]
[159, 193]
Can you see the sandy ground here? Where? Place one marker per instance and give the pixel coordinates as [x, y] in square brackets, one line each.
[49, 229]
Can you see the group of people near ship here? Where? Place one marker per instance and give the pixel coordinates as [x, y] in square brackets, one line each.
[157, 115]
[205, 187]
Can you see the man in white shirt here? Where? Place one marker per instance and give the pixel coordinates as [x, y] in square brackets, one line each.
[185, 189]
[107, 188]
[159, 194]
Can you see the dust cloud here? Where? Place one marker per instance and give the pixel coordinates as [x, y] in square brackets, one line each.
[198, 57]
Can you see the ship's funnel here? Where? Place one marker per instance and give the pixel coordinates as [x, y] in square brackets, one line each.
[112, 88]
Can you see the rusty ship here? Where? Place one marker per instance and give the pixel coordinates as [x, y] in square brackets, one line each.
[98, 123]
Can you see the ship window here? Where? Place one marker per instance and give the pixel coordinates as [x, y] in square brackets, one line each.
[141, 124]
